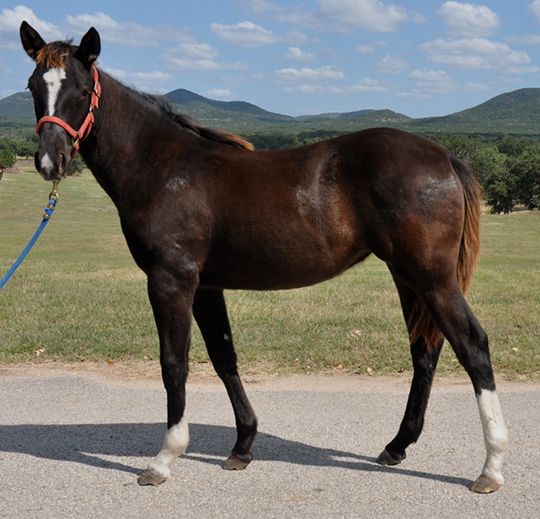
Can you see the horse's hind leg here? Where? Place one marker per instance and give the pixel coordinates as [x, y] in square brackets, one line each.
[210, 313]
[470, 343]
[425, 363]
[452, 315]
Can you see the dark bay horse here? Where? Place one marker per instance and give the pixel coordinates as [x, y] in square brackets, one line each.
[202, 212]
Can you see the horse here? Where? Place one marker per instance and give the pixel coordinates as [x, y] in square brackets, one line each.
[202, 211]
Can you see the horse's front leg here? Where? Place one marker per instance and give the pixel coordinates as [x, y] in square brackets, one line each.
[171, 302]
[210, 313]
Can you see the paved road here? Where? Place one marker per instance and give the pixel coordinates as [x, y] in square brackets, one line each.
[72, 444]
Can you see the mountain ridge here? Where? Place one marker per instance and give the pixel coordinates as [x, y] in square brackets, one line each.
[516, 112]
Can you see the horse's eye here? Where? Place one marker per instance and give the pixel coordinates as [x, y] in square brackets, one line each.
[85, 92]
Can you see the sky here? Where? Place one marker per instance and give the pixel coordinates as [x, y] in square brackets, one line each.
[420, 58]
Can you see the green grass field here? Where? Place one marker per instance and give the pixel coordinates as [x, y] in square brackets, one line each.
[80, 297]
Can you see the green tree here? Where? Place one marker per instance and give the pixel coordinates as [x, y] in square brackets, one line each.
[500, 189]
[27, 147]
[76, 167]
[511, 146]
[7, 143]
[526, 171]
[487, 162]
[7, 160]
[461, 146]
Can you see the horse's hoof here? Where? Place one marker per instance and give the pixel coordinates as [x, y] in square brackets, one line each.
[485, 485]
[234, 463]
[385, 458]
[150, 477]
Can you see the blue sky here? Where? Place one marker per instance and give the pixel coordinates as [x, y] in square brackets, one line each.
[420, 57]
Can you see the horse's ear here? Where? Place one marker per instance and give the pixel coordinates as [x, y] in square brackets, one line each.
[89, 48]
[31, 40]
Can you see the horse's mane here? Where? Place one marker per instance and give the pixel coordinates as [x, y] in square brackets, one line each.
[55, 54]
[188, 123]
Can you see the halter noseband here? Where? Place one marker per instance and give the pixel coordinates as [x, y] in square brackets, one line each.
[86, 126]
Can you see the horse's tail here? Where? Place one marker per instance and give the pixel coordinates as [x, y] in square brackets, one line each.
[468, 253]
[470, 240]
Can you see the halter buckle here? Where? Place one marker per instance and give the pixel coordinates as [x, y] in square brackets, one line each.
[53, 201]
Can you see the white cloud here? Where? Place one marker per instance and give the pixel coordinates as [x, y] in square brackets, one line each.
[126, 34]
[152, 77]
[197, 51]
[366, 86]
[469, 20]
[473, 53]
[309, 75]
[219, 93]
[428, 75]
[342, 16]
[297, 54]
[102, 22]
[533, 39]
[437, 82]
[250, 35]
[372, 15]
[262, 7]
[139, 78]
[307, 89]
[178, 63]
[196, 56]
[522, 70]
[391, 65]
[433, 82]
[130, 35]
[120, 74]
[366, 49]
[535, 8]
[10, 22]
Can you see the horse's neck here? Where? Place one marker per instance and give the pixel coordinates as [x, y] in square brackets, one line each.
[112, 148]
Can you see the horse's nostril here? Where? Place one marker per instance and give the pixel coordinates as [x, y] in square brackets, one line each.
[64, 163]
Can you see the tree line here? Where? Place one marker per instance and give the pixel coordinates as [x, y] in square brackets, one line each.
[507, 167]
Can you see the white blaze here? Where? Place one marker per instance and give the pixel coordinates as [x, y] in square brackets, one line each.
[495, 434]
[46, 162]
[53, 78]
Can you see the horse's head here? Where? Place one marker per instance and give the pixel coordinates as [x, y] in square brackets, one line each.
[62, 86]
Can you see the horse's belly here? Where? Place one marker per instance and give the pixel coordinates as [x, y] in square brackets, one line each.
[274, 271]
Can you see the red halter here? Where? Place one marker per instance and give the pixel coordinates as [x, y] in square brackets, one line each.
[86, 127]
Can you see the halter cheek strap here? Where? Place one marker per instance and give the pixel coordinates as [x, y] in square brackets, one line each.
[86, 127]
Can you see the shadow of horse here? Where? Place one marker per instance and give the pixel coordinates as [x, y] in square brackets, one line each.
[92, 444]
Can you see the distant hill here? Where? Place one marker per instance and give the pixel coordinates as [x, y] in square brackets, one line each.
[17, 112]
[237, 116]
[183, 97]
[515, 112]
[18, 106]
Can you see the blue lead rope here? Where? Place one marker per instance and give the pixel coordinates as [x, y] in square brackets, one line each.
[53, 200]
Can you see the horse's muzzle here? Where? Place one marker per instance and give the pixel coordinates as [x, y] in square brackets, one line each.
[53, 156]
